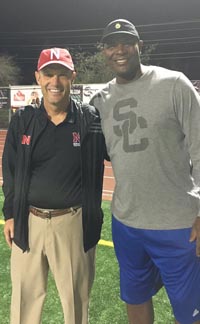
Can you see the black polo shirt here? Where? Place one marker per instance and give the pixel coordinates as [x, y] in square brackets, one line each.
[55, 166]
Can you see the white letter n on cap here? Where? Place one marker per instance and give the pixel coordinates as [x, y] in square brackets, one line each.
[56, 53]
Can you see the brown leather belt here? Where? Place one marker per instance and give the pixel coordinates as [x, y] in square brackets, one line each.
[45, 213]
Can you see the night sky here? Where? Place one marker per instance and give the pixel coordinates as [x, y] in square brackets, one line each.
[28, 26]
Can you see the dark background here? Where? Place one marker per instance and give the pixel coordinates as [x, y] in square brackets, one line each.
[28, 26]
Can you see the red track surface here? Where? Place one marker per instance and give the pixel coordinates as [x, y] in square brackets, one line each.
[108, 184]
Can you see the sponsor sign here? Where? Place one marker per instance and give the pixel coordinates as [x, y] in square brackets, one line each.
[90, 89]
[4, 98]
[25, 95]
[196, 84]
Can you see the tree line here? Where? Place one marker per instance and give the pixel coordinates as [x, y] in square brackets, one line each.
[91, 68]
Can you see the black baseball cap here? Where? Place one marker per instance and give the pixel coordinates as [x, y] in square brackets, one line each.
[119, 26]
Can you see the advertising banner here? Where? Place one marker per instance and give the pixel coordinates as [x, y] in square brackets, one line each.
[77, 92]
[4, 98]
[25, 95]
[4, 107]
[90, 89]
[196, 84]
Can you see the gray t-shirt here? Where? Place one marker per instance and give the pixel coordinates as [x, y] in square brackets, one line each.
[152, 132]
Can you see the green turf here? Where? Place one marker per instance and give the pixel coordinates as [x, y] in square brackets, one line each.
[105, 304]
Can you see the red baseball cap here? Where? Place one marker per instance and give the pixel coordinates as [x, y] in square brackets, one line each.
[55, 56]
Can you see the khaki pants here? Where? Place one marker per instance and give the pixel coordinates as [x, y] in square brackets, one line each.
[55, 244]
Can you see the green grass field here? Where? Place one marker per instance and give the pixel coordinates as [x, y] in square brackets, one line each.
[105, 304]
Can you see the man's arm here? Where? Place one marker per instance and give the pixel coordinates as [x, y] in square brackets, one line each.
[187, 107]
[8, 168]
[92, 103]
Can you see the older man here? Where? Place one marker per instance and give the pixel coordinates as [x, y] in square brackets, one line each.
[52, 182]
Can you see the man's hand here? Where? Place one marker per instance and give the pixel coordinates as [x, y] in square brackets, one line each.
[195, 235]
[9, 231]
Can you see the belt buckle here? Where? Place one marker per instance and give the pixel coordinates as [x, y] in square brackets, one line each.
[47, 213]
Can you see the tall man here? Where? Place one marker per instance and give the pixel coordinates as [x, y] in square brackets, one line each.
[151, 122]
[52, 182]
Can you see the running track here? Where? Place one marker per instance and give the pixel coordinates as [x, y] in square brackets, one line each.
[108, 184]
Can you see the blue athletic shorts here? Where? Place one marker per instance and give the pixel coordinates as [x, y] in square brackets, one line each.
[148, 258]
